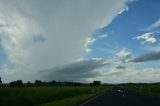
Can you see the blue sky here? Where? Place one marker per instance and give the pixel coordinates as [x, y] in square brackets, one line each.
[65, 39]
[140, 15]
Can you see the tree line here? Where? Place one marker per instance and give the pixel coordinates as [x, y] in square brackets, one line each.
[19, 83]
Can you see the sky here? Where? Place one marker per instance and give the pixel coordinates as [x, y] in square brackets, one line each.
[114, 41]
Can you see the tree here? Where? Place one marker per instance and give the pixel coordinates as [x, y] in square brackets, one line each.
[38, 82]
[96, 83]
[17, 83]
[53, 82]
[0, 81]
[29, 83]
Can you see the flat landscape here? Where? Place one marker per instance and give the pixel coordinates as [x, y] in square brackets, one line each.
[45, 96]
[79, 52]
[113, 95]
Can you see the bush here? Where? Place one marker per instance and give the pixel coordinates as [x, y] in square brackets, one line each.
[0, 81]
[17, 83]
[38, 82]
[96, 83]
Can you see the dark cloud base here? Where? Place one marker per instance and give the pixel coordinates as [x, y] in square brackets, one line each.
[75, 72]
[153, 56]
[120, 67]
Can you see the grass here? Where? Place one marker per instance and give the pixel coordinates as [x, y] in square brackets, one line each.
[153, 90]
[31, 96]
[69, 101]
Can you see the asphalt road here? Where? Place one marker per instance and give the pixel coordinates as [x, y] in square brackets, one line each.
[120, 97]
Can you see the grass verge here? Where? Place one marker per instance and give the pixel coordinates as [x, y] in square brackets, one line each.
[33, 96]
[153, 90]
[69, 101]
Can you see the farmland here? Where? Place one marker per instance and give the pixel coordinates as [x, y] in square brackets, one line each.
[46, 96]
[150, 89]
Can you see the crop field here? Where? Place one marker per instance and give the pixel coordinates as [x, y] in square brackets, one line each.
[46, 96]
[153, 90]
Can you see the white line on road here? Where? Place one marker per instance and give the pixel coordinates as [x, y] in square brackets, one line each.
[90, 100]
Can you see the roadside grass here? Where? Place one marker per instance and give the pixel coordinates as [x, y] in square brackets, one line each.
[153, 90]
[31, 96]
[72, 101]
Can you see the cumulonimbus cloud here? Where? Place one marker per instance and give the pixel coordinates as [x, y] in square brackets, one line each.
[50, 33]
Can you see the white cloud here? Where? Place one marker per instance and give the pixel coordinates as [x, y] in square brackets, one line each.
[130, 74]
[64, 25]
[154, 25]
[146, 37]
[89, 42]
[113, 75]
[155, 48]
[109, 19]
[123, 10]
[124, 54]
[103, 36]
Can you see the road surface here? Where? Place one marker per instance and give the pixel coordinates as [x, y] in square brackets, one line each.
[120, 97]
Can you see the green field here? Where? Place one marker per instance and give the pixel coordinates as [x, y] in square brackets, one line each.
[46, 96]
[153, 90]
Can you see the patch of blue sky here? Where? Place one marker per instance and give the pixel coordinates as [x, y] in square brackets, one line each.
[129, 24]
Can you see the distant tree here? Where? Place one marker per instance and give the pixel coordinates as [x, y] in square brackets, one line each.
[59, 83]
[17, 83]
[96, 83]
[38, 82]
[29, 83]
[76, 84]
[53, 82]
[0, 81]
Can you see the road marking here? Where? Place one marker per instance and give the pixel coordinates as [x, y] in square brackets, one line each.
[120, 90]
[90, 99]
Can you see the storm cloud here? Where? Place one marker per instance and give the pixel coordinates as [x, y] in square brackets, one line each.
[153, 56]
[77, 71]
[49, 33]
[120, 67]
